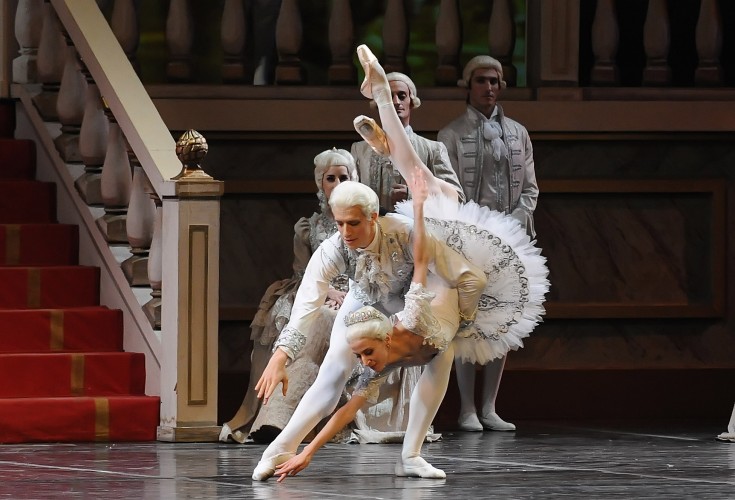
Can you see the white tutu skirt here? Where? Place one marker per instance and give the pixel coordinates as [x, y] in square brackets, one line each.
[517, 277]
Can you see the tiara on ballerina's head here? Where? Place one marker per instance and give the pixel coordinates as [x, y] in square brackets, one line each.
[362, 315]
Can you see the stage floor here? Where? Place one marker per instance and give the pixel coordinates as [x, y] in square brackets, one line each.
[547, 460]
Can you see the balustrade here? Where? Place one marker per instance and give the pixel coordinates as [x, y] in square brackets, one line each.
[28, 26]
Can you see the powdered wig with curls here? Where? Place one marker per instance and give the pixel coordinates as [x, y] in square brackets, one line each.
[400, 77]
[324, 161]
[355, 194]
[481, 62]
[367, 323]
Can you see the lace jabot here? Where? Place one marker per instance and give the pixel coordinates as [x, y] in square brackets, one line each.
[383, 269]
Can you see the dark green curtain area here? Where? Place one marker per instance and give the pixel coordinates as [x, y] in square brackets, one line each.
[207, 55]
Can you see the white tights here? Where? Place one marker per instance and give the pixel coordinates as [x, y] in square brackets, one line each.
[492, 371]
[322, 397]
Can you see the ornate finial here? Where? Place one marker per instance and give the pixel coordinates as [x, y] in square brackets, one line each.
[362, 316]
[191, 148]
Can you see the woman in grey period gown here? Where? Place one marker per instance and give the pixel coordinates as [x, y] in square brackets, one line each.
[331, 167]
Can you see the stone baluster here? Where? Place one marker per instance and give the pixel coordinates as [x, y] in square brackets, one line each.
[341, 40]
[28, 27]
[140, 226]
[115, 186]
[180, 38]
[232, 35]
[605, 44]
[289, 37]
[70, 106]
[93, 135]
[502, 38]
[395, 37]
[448, 42]
[709, 44]
[124, 24]
[50, 63]
[656, 40]
[154, 268]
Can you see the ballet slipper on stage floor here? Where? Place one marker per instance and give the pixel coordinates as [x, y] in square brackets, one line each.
[493, 422]
[418, 467]
[266, 468]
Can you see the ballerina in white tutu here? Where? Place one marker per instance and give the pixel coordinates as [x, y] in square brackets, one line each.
[508, 310]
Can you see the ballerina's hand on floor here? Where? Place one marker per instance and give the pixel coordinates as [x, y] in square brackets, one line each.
[293, 466]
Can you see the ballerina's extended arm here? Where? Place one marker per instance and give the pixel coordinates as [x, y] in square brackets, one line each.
[341, 417]
[420, 190]
[402, 154]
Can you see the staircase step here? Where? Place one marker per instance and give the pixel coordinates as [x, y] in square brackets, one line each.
[61, 330]
[79, 419]
[28, 244]
[27, 202]
[71, 374]
[17, 159]
[49, 287]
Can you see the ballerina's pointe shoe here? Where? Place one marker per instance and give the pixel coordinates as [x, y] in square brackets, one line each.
[493, 422]
[267, 466]
[375, 85]
[373, 134]
[469, 422]
[418, 467]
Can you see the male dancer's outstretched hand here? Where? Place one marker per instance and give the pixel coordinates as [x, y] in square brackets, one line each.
[274, 374]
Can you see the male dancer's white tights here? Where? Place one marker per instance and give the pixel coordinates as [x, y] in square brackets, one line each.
[322, 397]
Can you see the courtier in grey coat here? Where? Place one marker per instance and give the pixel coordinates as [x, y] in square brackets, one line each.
[493, 158]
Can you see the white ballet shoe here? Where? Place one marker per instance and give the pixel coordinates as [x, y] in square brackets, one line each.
[375, 85]
[225, 434]
[267, 466]
[373, 134]
[493, 422]
[469, 422]
[418, 467]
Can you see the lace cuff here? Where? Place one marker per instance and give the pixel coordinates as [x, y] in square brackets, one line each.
[291, 341]
[416, 315]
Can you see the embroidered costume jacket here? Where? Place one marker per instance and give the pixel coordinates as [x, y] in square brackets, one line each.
[507, 185]
[380, 275]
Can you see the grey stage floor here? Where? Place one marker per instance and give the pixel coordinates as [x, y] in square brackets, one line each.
[540, 460]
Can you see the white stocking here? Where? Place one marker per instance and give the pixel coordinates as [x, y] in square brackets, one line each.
[493, 373]
[466, 382]
[425, 400]
[322, 398]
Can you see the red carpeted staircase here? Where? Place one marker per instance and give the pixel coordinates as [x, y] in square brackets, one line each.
[63, 373]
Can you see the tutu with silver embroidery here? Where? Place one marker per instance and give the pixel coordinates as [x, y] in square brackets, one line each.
[517, 277]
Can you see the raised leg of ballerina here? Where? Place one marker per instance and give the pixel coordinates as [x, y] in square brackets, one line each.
[401, 151]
